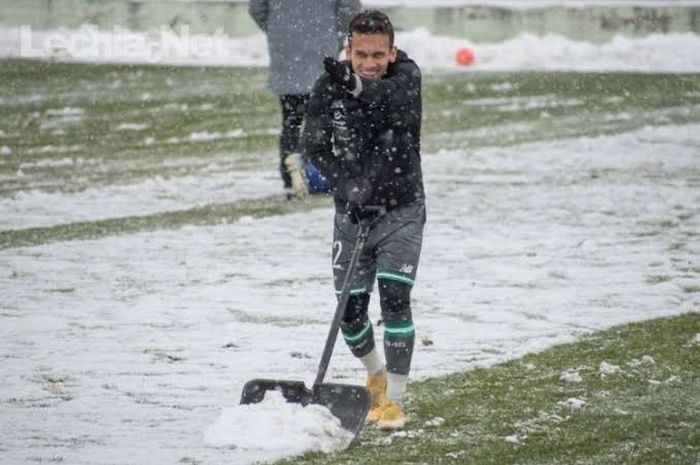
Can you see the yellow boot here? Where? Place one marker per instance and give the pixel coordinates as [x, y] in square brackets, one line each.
[391, 417]
[376, 384]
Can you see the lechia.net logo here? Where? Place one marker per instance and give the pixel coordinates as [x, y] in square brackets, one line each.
[121, 44]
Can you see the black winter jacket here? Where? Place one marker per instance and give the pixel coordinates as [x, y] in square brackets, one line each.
[372, 140]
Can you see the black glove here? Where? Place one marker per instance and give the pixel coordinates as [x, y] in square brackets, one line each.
[357, 213]
[354, 212]
[357, 190]
[341, 73]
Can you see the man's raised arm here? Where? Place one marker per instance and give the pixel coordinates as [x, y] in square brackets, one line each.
[317, 134]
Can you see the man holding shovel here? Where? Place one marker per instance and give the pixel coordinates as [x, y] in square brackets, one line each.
[362, 131]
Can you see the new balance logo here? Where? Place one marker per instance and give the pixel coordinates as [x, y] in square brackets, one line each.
[408, 269]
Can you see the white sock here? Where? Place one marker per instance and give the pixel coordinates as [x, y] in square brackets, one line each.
[396, 387]
[372, 362]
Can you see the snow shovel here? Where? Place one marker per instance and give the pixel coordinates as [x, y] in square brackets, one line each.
[349, 403]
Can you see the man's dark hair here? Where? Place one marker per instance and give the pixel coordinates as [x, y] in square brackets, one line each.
[372, 22]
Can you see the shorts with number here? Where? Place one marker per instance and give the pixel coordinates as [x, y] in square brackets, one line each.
[392, 250]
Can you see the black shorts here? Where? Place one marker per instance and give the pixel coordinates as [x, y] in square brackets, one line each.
[392, 250]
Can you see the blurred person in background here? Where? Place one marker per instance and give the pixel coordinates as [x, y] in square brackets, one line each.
[300, 33]
[362, 131]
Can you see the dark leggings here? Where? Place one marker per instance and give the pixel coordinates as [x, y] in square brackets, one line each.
[395, 302]
[293, 109]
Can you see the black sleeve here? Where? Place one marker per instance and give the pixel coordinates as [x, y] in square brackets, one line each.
[318, 132]
[340, 160]
[394, 93]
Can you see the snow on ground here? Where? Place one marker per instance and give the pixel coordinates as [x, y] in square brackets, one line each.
[134, 349]
[656, 53]
[36, 208]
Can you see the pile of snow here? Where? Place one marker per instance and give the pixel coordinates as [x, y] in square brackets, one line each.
[607, 369]
[571, 376]
[573, 403]
[645, 360]
[677, 52]
[513, 439]
[435, 422]
[289, 428]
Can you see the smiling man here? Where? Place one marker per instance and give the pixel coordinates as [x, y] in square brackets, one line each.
[362, 130]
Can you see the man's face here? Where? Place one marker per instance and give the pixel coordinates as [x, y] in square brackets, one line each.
[370, 54]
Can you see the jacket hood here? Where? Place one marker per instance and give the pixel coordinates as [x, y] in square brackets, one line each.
[401, 57]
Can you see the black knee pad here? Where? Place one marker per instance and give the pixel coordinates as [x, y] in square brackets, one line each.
[355, 313]
[395, 300]
[355, 325]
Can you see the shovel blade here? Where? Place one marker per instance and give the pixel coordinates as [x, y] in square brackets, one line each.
[347, 402]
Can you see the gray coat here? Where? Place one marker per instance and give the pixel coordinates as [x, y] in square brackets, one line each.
[299, 34]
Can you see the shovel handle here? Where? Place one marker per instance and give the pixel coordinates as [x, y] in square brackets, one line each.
[362, 233]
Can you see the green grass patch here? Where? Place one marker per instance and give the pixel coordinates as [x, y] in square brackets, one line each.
[556, 407]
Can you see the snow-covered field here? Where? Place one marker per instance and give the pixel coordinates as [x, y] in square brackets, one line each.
[126, 349]
[133, 348]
